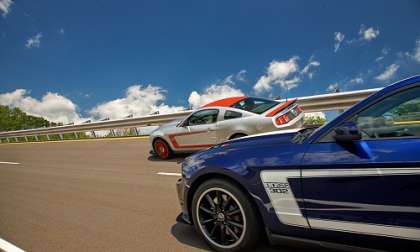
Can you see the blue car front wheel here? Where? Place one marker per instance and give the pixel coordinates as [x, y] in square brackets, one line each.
[224, 216]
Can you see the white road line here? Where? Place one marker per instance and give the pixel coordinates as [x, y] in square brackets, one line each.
[169, 174]
[12, 163]
[8, 247]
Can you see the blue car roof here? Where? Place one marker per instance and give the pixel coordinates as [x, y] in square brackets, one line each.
[388, 89]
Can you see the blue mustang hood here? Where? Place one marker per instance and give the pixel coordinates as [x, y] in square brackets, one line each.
[263, 139]
[257, 141]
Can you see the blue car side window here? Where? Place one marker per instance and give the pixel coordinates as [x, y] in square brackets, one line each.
[395, 116]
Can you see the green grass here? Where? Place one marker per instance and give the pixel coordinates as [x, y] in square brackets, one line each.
[69, 136]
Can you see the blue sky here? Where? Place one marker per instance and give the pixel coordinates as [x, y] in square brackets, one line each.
[77, 59]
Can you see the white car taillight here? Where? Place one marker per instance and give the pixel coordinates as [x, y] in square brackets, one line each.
[287, 117]
[283, 119]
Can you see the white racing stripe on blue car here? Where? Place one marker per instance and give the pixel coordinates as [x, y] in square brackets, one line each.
[354, 206]
[282, 197]
[278, 132]
[308, 173]
[288, 212]
[367, 228]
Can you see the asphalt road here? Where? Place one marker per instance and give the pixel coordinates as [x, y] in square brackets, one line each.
[101, 195]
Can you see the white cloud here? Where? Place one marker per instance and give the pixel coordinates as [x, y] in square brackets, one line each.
[333, 87]
[384, 52]
[368, 34]
[310, 66]
[357, 80]
[34, 42]
[218, 90]
[139, 100]
[5, 6]
[365, 34]
[280, 73]
[285, 74]
[415, 55]
[212, 93]
[389, 73]
[241, 76]
[232, 79]
[61, 31]
[338, 38]
[229, 80]
[52, 106]
[379, 58]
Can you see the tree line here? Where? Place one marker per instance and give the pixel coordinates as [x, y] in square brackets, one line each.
[16, 119]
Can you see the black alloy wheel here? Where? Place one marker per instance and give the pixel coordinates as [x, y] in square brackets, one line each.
[223, 215]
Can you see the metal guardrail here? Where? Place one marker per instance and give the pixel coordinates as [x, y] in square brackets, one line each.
[316, 103]
[100, 125]
[334, 101]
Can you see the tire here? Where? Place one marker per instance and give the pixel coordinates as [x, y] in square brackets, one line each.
[238, 136]
[211, 216]
[162, 149]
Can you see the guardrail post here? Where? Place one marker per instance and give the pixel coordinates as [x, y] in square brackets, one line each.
[26, 139]
[136, 131]
[16, 139]
[36, 138]
[75, 135]
[8, 140]
[61, 137]
[93, 133]
[112, 132]
[48, 137]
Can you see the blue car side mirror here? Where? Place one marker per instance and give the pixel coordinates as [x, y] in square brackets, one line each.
[347, 132]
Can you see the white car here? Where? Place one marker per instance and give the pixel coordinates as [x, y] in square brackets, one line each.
[223, 120]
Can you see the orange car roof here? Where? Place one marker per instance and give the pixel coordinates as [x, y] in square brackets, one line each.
[226, 102]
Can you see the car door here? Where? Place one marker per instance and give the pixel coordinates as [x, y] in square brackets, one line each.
[199, 130]
[372, 185]
[228, 124]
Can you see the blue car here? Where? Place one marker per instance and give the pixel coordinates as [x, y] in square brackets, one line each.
[354, 181]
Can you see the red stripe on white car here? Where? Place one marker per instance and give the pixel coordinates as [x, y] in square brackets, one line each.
[176, 145]
[226, 102]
